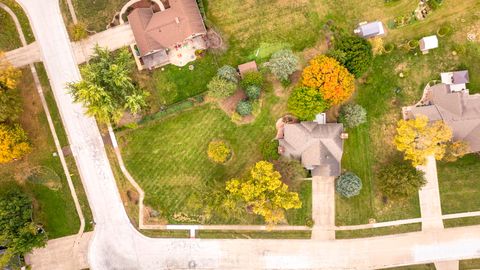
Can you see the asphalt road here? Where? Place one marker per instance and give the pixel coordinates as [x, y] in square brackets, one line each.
[117, 245]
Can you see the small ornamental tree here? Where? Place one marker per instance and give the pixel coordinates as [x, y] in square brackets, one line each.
[252, 78]
[352, 115]
[77, 31]
[305, 103]
[244, 108]
[18, 233]
[455, 150]
[291, 170]
[348, 185]
[10, 105]
[398, 181]
[326, 75]
[228, 73]
[357, 57]
[253, 91]
[219, 152]
[263, 192]
[13, 143]
[418, 139]
[221, 88]
[8, 74]
[282, 64]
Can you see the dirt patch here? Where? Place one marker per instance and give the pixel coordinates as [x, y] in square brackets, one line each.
[133, 196]
[229, 104]
[320, 48]
[152, 216]
[333, 113]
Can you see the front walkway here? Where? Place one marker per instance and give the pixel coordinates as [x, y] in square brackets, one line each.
[114, 38]
[429, 196]
[323, 208]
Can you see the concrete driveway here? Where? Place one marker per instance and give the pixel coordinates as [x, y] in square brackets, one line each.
[117, 245]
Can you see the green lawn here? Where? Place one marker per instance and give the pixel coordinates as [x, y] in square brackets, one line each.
[168, 158]
[459, 184]
[8, 32]
[96, 14]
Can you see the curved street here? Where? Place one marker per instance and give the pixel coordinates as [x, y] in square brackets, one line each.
[117, 245]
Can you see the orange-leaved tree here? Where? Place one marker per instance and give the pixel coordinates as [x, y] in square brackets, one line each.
[332, 79]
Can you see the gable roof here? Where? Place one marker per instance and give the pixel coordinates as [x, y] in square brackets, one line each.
[428, 43]
[371, 29]
[247, 67]
[459, 110]
[318, 146]
[161, 30]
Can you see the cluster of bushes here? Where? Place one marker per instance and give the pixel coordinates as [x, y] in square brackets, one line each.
[252, 83]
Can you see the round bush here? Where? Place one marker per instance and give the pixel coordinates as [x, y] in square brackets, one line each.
[398, 181]
[219, 152]
[282, 64]
[389, 47]
[228, 73]
[353, 115]
[244, 108]
[253, 91]
[252, 78]
[412, 44]
[444, 30]
[348, 185]
[221, 88]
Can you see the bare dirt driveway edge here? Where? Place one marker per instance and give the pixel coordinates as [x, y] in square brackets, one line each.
[117, 245]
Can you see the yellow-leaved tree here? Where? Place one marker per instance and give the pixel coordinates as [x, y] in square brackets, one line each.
[264, 193]
[333, 80]
[419, 138]
[13, 143]
[8, 74]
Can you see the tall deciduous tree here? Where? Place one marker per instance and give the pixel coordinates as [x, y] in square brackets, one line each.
[107, 88]
[17, 231]
[305, 103]
[13, 143]
[282, 64]
[326, 75]
[264, 193]
[354, 52]
[419, 138]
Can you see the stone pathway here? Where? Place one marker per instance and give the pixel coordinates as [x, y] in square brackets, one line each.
[429, 196]
[323, 208]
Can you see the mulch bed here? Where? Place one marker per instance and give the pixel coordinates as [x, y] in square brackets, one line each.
[229, 104]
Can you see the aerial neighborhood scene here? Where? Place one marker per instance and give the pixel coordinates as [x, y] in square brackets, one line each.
[240, 134]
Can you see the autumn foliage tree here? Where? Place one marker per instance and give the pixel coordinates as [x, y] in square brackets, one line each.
[263, 192]
[333, 80]
[10, 103]
[419, 138]
[13, 143]
[305, 103]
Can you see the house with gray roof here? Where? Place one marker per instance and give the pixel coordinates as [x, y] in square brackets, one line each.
[459, 110]
[319, 147]
[371, 29]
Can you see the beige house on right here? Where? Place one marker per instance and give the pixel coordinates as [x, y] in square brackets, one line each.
[458, 109]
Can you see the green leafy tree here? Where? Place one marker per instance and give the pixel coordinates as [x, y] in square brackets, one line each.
[244, 108]
[228, 73]
[253, 91]
[400, 180]
[10, 105]
[18, 233]
[305, 103]
[107, 88]
[263, 192]
[221, 88]
[352, 115]
[348, 185]
[282, 64]
[354, 52]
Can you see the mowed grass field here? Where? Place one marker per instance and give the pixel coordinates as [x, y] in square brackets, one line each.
[169, 159]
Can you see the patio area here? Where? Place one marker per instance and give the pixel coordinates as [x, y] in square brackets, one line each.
[184, 53]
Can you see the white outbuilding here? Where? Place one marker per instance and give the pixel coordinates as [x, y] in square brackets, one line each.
[428, 43]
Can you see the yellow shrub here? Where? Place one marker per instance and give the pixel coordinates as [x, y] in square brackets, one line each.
[13, 143]
[219, 152]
